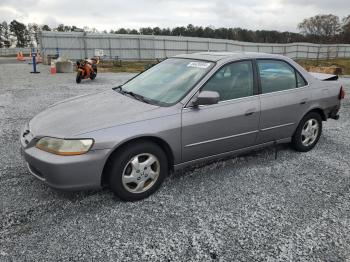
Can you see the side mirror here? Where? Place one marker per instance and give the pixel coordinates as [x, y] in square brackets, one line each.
[206, 98]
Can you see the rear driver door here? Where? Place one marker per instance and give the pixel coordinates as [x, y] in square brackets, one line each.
[284, 99]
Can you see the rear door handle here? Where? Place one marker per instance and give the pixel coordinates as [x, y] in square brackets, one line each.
[303, 102]
[250, 112]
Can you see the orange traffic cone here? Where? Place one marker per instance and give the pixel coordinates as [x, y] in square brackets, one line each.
[53, 68]
[20, 56]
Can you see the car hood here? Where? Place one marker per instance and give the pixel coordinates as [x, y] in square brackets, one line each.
[87, 113]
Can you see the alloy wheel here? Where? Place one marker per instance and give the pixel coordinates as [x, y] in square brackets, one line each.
[141, 173]
[310, 132]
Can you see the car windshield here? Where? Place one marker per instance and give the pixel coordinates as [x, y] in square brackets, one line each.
[167, 82]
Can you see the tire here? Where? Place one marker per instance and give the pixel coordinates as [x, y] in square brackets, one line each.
[78, 78]
[93, 75]
[305, 139]
[129, 169]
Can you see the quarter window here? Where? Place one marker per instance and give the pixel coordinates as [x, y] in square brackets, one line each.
[232, 81]
[300, 80]
[277, 76]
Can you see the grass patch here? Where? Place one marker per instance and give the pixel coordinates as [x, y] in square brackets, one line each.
[125, 66]
[343, 63]
[139, 66]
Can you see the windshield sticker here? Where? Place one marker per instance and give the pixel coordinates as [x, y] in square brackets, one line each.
[198, 64]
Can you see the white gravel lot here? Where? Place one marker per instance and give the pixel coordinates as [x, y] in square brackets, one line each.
[248, 208]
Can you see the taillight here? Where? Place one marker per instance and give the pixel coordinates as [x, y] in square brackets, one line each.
[341, 93]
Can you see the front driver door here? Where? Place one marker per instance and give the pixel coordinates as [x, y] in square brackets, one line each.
[231, 124]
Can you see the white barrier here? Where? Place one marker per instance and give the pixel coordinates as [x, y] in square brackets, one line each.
[78, 45]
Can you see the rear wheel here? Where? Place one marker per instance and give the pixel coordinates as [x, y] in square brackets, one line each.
[79, 77]
[308, 132]
[137, 171]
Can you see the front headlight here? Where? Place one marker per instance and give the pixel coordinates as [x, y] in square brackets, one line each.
[64, 147]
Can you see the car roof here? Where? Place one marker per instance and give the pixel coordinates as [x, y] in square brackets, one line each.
[216, 56]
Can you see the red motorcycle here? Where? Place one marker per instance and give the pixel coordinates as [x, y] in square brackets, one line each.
[87, 68]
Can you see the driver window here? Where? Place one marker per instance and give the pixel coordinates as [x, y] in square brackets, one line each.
[232, 81]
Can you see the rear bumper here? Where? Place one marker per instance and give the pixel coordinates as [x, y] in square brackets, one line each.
[65, 172]
[335, 117]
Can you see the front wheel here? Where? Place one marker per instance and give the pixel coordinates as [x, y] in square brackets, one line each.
[137, 171]
[93, 74]
[308, 132]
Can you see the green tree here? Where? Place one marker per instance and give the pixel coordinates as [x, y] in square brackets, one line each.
[157, 31]
[67, 28]
[209, 32]
[134, 32]
[74, 28]
[1, 36]
[179, 31]
[34, 32]
[121, 31]
[60, 28]
[20, 32]
[45, 28]
[165, 31]
[146, 31]
[190, 30]
[5, 35]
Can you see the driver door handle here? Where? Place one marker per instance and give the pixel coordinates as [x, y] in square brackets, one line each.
[250, 112]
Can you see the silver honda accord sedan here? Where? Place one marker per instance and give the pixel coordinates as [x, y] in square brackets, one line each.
[185, 110]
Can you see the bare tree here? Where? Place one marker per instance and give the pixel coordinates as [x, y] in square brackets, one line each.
[346, 29]
[321, 27]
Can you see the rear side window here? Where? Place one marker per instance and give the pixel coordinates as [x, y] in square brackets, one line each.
[276, 75]
[232, 81]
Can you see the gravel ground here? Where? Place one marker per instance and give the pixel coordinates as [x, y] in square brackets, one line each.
[248, 208]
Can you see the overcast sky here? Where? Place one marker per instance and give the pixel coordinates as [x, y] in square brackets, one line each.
[112, 14]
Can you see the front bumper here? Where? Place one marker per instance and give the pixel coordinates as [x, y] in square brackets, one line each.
[65, 172]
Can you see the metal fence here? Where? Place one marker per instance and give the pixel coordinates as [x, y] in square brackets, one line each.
[14, 51]
[77, 45]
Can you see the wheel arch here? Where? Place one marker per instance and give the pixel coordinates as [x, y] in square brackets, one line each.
[318, 110]
[296, 141]
[157, 140]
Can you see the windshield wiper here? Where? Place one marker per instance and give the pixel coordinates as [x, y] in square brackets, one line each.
[136, 96]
